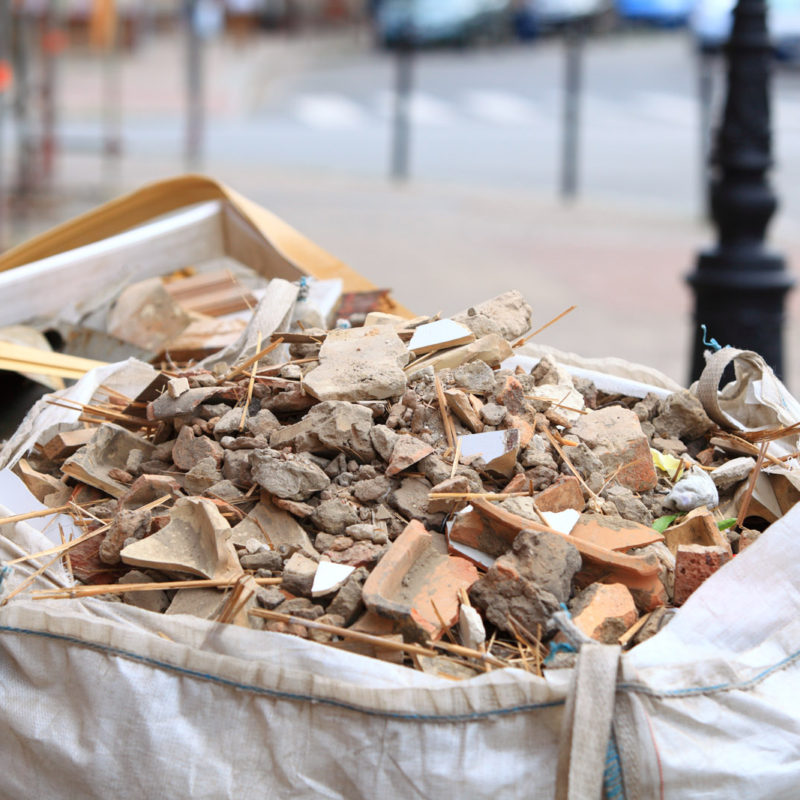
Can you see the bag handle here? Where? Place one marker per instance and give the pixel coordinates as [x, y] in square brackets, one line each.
[708, 383]
[586, 727]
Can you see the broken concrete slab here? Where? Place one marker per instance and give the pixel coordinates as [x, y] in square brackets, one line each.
[329, 428]
[732, 472]
[508, 315]
[682, 417]
[615, 437]
[298, 575]
[190, 449]
[359, 364]
[273, 526]
[166, 407]
[285, 475]
[412, 577]
[528, 584]
[410, 500]
[109, 449]
[195, 541]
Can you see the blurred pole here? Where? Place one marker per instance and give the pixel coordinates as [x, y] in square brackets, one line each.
[574, 40]
[20, 44]
[739, 287]
[706, 60]
[6, 77]
[112, 108]
[401, 127]
[194, 86]
[50, 43]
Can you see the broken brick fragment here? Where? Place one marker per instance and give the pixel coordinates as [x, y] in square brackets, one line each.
[604, 611]
[694, 563]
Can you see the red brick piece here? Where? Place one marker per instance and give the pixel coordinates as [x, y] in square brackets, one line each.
[604, 611]
[693, 564]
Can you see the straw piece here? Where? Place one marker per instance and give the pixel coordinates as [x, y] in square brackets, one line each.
[252, 360]
[121, 588]
[522, 341]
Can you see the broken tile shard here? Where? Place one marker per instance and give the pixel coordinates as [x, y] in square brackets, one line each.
[195, 541]
[413, 576]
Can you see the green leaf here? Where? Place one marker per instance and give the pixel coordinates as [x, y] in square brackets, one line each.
[662, 523]
[724, 524]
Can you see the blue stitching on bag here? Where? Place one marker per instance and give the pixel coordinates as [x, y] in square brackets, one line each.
[474, 716]
[719, 687]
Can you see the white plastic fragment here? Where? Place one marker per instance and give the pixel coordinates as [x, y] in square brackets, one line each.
[695, 490]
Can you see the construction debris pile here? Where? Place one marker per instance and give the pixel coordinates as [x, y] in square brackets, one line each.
[394, 490]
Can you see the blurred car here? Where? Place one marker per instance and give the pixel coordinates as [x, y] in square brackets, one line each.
[536, 16]
[711, 21]
[429, 22]
[664, 13]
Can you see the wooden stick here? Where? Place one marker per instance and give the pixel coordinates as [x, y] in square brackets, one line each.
[522, 341]
[30, 579]
[474, 495]
[445, 628]
[634, 629]
[563, 455]
[448, 429]
[250, 385]
[555, 403]
[45, 512]
[376, 641]
[456, 458]
[740, 517]
[253, 359]
[121, 588]
[345, 633]
[102, 412]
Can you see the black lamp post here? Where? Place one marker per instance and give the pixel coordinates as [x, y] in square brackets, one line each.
[739, 286]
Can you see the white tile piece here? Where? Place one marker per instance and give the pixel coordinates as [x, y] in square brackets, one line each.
[329, 576]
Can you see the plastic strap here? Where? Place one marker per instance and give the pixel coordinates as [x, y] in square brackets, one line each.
[586, 728]
[708, 384]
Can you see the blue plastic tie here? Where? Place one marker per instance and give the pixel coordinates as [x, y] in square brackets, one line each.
[559, 647]
[5, 571]
[712, 343]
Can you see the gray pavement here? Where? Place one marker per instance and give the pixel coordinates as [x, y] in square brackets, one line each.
[453, 235]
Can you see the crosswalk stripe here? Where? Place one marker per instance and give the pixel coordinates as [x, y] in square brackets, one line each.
[329, 111]
[499, 107]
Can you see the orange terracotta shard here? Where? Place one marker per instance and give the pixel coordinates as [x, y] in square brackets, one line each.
[412, 577]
